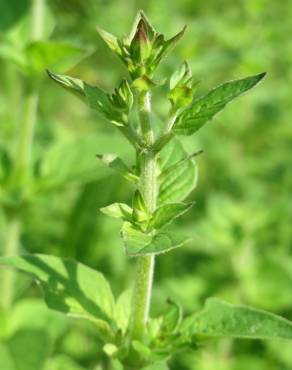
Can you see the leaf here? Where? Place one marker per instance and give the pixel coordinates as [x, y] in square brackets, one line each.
[167, 213]
[72, 162]
[168, 45]
[140, 213]
[11, 12]
[62, 362]
[68, 286]
[110, 349]
[73, 85]
[110, 40]
[33, 314]
[205, 108]
[178, 175]
[114, 162]
[172, 318]
[157, 366]
[118, 210]
[42, 55]
[99, 101]
[223, 319]
[6, 359]
[123, 310]
[138, 243]
[29, 349]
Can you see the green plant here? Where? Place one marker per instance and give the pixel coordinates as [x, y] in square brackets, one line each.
[163, 176]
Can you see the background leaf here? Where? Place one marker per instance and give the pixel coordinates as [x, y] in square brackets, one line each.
[42, 55]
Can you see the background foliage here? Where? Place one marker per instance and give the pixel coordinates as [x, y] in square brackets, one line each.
[242, 236]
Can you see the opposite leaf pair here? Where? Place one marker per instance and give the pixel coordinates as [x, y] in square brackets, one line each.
[76, 290]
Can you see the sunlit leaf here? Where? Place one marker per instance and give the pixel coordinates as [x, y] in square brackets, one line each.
[205, 108]
[167, 213]
[114, 162]
[99, 101]
[138, 243]
[71, 84]
[42, 55]
[172, 318]
[118, 210]
[178, 175]
[219, 318]
[123, 309]
[29, 349]
[68, 286]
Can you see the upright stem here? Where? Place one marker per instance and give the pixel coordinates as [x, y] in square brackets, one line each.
[149, 189]
[27, 127]
[11, 248]
[22, 160]
[26, 135]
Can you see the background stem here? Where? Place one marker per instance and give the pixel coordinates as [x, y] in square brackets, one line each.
[11, 248]
[22, 160]
[148, 187]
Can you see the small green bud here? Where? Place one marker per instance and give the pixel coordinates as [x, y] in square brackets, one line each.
[144, 49]
[143, 83]
[140, 47]
[122, 98]
[181, 87]
[139, 208]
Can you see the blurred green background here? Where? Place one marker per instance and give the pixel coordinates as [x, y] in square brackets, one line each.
[241, 223]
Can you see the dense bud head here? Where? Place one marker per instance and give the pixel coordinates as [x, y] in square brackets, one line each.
[144, 48]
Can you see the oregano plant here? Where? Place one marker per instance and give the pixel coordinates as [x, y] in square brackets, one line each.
[163, 175]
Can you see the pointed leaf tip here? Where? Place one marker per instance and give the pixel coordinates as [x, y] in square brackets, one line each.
[203, 109]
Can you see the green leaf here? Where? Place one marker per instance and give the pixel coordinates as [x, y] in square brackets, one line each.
[118, 210]
[181, 76]
[223, 319]
[12, 12]
[123, 97]
[99, 101]
[110, 349]
[167, 213]
[33, 314]
[111, 41]
[205, 108]
[157, 366]
[138, 243]
[42, 55]
[6, 359]
[62, 362]
[71, 84]
[72, 162]
[140, 213]
[143, 351]
[168, 46]
[178, 175]
[123, 310]
[29, 349]
[172, 318]
[68, 286]
[114, 162]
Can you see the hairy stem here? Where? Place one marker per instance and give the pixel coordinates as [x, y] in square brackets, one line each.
[149, 189]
